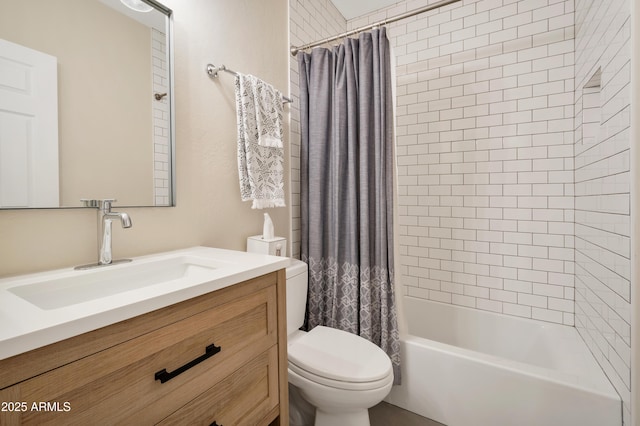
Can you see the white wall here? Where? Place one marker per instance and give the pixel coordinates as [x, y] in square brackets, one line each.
[635, 203]
[485, 154]
[602, 186]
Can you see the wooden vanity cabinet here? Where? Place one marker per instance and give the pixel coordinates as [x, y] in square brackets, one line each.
[220, 357]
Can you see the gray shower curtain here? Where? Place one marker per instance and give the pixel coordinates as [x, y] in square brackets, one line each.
[346, 167]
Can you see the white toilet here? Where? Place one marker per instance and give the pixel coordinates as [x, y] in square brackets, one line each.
[341, 375]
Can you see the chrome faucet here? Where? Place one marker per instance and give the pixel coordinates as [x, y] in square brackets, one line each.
[106, 219]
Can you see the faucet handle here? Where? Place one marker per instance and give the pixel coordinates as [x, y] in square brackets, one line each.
[104, 204]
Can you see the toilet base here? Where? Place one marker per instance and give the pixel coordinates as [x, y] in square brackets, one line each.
[350, 418]
[301, 413]
[338, 407]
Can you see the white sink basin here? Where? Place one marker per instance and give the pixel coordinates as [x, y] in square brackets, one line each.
[47, 307]
[108, 281]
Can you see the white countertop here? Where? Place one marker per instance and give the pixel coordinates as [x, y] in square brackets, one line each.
[25, 326]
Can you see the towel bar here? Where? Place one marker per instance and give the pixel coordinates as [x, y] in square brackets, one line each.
[212, 70]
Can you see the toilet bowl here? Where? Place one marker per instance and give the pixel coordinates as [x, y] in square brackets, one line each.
[339, 374]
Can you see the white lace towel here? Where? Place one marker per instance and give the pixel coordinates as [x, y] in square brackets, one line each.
[260, 167]
[269, 112]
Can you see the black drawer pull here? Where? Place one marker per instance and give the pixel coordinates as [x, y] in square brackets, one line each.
[165, 376]
[214, 424]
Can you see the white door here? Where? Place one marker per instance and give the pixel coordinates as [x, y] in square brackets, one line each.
[28, 127]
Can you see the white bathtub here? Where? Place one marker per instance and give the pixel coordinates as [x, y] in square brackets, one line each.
[464, 367]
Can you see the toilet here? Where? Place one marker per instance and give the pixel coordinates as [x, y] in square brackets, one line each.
[334, 376]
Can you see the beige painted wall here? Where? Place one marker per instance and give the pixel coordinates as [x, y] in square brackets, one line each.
[95, 91]
[245, 35]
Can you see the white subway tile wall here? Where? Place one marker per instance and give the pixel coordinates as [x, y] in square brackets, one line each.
[309, 21]
[161, 154]
[485, 132]
[602, 185]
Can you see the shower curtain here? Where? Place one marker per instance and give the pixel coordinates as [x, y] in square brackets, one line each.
[346, 167]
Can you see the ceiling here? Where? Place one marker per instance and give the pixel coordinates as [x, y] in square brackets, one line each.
[354, 8]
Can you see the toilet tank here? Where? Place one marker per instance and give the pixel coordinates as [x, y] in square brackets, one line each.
[297, 282]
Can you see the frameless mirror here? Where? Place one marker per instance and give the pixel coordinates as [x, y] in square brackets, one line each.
[86, 99]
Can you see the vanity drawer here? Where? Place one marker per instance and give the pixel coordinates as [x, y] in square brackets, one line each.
[120, 383]
[243, 398]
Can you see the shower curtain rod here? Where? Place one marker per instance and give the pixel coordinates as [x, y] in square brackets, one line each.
[295, 50]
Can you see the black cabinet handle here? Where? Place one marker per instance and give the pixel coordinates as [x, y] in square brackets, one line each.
[214, 424]
[165, 376]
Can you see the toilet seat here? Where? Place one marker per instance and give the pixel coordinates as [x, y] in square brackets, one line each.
[336, 384]
[339, 359]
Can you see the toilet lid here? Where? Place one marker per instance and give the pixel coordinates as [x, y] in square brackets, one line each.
[338, 355]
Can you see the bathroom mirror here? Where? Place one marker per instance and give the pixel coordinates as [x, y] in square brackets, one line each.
[86, 103]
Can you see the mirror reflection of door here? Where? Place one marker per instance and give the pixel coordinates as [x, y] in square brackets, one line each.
[114, 135]
[28, 128]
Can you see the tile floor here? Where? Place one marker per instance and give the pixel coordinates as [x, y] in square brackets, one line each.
[385, 414]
